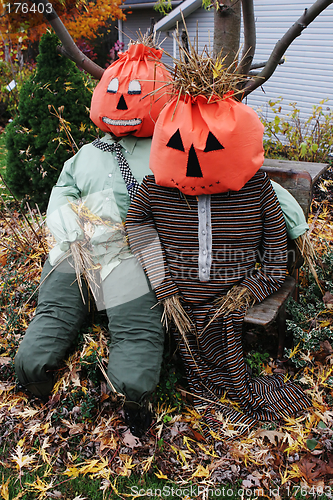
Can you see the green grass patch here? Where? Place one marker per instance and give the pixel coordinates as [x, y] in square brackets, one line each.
[38, 485]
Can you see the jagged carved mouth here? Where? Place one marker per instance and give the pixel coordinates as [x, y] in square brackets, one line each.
[126, 123]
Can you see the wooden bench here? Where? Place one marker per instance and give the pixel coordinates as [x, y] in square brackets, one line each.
[298, 178]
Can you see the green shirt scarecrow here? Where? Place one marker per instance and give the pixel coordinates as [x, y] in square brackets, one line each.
[103, 177]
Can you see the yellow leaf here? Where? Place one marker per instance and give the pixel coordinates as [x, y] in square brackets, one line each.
[207, 452]
[200, 472]
[160, 475]
[4, 490]
[72, 472]
[186, 440]
[41, 486]
[294, 351]
[217, 68]
[45, 427]
[147, 464]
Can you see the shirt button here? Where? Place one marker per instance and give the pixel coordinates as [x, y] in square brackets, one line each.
[204, 252]
[203, 270]
[107, 199]
[110, 175]
[203, 232]
[203, 210]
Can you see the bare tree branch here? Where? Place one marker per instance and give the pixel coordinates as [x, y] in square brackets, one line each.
[69, 48]
[282, 45]
[249, 37]
[263, 63]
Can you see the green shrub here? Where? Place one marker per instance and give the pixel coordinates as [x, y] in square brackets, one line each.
[9, 99]
[289, 136]
[308, 325]
[38, 143]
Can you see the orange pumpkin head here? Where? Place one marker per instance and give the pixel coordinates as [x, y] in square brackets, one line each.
[204, 147]
[119, 105]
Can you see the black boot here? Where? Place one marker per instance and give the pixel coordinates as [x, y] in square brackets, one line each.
[138, 418]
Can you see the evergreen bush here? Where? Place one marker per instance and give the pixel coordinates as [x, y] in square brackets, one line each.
[38, 143]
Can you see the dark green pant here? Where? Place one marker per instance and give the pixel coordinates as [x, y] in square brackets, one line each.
[137, 335]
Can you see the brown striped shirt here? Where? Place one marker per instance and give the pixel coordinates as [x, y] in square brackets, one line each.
[162, 225]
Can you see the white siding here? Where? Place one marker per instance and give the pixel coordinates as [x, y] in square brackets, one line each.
[307, 75]
[202, 22]
[138, 21]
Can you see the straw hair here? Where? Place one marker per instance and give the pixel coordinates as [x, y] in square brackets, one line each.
[148, 39]
[203, 74]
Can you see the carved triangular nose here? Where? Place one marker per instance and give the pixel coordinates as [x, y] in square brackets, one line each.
[193, 165]
[122, 103]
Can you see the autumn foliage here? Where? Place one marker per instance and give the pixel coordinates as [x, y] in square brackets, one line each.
[21, 23]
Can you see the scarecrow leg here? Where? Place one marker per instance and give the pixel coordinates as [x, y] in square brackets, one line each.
[60, 313]
[137, 334]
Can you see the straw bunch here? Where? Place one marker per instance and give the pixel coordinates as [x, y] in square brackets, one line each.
[81, 250]
[237, 298]
[307, 250]
[174, 312]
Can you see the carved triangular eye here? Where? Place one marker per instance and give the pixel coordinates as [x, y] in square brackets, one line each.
[212, 143]
[175, 142]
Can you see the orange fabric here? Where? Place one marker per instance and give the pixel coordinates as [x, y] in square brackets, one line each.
[206, 148]
[119, 105]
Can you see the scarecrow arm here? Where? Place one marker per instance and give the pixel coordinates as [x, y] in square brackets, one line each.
[272, 273]
[146, 245]
[61, 219]
[282, 45]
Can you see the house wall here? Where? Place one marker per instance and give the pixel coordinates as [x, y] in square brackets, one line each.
[139, 20]
[307, 75]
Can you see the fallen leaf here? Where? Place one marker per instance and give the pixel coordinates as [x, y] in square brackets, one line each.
[273, 437]
[201, 472]
[328, 300]
[5, 360]
[130, 440]
[160, 475]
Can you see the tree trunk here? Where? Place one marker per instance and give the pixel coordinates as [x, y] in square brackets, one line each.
[227, 21]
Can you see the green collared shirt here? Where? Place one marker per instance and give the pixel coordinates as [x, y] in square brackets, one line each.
[293, 214]
[93, 177]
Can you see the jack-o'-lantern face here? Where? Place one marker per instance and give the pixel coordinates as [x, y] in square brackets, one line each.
[120, 104]
[206, 148]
